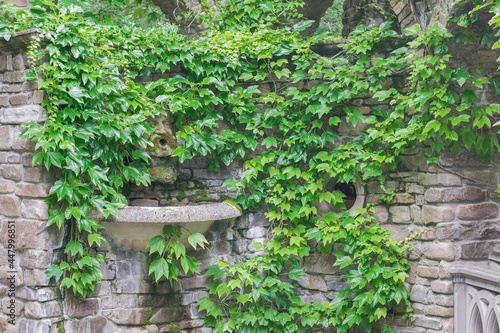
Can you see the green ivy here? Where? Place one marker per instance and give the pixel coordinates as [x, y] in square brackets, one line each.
[96, 137]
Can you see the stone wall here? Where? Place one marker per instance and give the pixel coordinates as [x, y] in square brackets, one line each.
[23, 212]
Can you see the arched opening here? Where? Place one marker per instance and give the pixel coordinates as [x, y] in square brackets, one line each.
[476, 324]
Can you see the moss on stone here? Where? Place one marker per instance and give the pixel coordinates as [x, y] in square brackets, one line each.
[231, 202]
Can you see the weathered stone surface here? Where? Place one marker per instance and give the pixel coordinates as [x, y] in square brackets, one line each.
[35, 277]
[136, 316]
[38, 97]
[37, 310]
[133, 286]
[466, 194]
[19, 99]
[475, 250]
[320, 264]
[195, 282]
[5, 137]
[33, 190]
[438, 311]
[7, 306]
[6, 186]
[86, 307]
[440, 251]
[480, 211]
[436, 214]
[445, 179]
[427, 322]
[398, 232]
[13, 77]
[442, 287]
[419, 294]
[403, 198]
[4, 101]
[428, 272]
[313, 282]
[400, 214]
[23, 114]
[381, 215]
[29, 235]
[9, 206]
[416, 189]
[35, 209]
[444, 300]
[257, 232]
[14, 172]
[36, 258]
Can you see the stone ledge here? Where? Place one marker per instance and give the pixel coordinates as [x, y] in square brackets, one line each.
[134, 227]
[18, 41]
[174, 214]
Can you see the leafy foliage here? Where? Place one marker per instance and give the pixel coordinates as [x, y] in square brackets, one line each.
[169, 250]
[281, 105]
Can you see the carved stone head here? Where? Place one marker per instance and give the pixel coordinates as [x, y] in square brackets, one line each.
[164, 168]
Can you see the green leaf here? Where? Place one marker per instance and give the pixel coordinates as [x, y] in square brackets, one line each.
[74, 248]
[156, 244]
[197, 239]
[495, 85]
[302, 25]
[159, 268]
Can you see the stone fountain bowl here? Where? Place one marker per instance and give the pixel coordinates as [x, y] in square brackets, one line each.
[134, 227]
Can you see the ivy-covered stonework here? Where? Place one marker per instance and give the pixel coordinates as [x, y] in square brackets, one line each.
[296, 119]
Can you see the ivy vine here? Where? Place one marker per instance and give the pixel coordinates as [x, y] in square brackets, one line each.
[96, 136]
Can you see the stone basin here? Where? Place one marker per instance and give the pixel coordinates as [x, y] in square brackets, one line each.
[134, 227]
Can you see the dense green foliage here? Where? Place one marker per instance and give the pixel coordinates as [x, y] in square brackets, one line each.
[97, 125]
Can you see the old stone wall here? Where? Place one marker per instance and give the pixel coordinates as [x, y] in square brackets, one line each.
[451, 207]
[26, 246]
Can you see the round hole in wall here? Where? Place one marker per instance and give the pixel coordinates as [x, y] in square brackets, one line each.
[163, 142]
[354, 196]
[349, 190]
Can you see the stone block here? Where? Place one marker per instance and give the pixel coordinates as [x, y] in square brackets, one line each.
[19, 99]
[436, 214]
[438, 311]
[415, 189]
[257, 232]
[313, 282]
[381, 215]
[133, 286]
[33, 190]
[196, 282]
[33, 175]
[5, 137]
[137, 316]
[86, 307]
[35, 277]
[398, 232]
[20, 3]
[3, 63]
[7, 306]
[36, 310]
[13, 158]
[9, 206]
[482, 211]
[34, 209]
[439, 251]
[14, 172]
[400, 214]
[444, 300]
[29, 235]
[7, 186]
[403, 198]
[416, 214]
[475, 250]
[4, 101]
[319, 264]
[38, 97]
[13, 77]
[442, 287]
[19, 142]
[466, 194]
[419, 294]
[346, 128]
[35, 258]
[23, 114]
[423, 321]
[444, 179]
[427, 272]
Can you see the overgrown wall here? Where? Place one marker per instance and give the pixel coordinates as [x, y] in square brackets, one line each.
[452, 206]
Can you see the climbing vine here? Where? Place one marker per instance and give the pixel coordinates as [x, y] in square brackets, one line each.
[281, 105]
